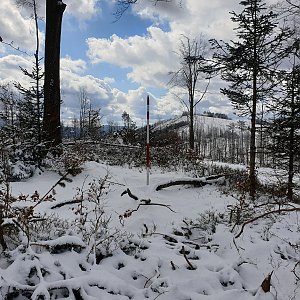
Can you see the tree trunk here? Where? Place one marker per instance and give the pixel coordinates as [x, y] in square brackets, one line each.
[252, 175]
[37, 66]
[191, 127]
[51, 121]
[291, 150]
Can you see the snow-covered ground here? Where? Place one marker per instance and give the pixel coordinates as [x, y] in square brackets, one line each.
[203, 122]
[156, 261]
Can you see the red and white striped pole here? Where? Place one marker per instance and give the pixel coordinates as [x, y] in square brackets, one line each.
[147, 145]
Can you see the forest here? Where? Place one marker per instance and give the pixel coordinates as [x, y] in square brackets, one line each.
[219, 217]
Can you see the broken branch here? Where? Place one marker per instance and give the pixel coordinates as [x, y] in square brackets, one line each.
[278, 211]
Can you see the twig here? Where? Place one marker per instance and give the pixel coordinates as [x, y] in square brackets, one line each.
[167, 237]
[234, 243]
[188, 262]
[13, 47]
[156, 273]
[294, 270]
[117, 183]
[51, 189]
[278, 211]
[157, 204]
[160, 294]
[146, 228]
[129, 212]
[173, 266]
[129, 194]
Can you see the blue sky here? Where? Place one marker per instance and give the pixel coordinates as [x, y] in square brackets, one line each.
[119, 62]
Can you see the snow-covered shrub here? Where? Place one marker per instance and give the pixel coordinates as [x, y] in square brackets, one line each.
[19, 161]
[69, 161]
[14, 219]
[92, 223]
[201, 228]
[242, 210]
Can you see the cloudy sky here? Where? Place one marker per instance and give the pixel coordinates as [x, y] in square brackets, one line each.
[118, 61]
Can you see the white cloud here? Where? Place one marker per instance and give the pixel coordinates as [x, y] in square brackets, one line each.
[73, 80]
[109, 80]
[191, 17]
[162, 11]
[10, 69]
[82, 9]
[17, 26]
[150, 57]
[111, 101]
[74, 66]
[133, 102]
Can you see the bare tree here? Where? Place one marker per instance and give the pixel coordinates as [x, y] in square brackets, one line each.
[193, 76]
[84, 104]
[89, 117]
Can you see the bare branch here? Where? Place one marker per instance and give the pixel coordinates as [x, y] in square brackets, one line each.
[123, 6]
[278, 211]
[191, 267]
[11, 44]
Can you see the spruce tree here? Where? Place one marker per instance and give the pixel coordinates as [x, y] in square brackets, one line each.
[249, 64]
[31, 103]
[285, 128]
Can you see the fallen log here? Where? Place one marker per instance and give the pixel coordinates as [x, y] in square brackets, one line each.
[194, 182]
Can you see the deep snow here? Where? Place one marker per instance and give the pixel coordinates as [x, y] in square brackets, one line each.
[151, 265]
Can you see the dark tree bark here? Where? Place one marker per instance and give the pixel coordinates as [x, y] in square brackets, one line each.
[51, 121]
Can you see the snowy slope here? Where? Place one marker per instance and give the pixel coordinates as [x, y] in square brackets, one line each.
[152, 264]
[202, 122]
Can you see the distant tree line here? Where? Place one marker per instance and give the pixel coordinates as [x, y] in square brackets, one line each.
[215, 115]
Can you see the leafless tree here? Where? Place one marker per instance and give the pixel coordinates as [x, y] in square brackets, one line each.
[89, 117]
[193, 76]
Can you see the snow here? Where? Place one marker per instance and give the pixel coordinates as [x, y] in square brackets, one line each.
[150, 262]
[201, 122]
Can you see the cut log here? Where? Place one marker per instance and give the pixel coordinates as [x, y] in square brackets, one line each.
[194, 182]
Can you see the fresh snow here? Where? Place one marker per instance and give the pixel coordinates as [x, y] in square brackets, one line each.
[203, 122]
[151, 265]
